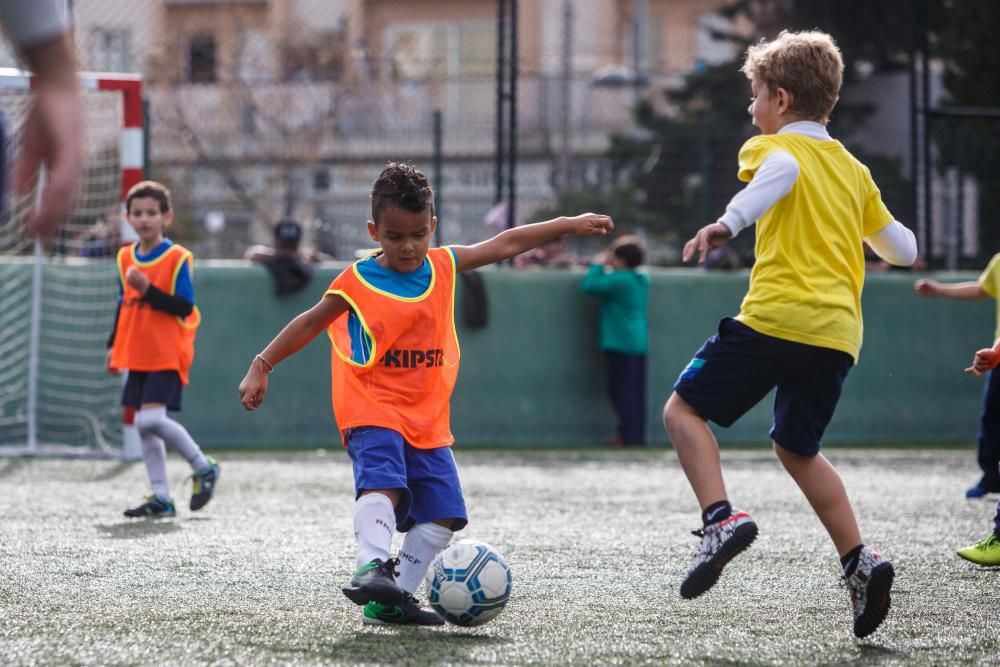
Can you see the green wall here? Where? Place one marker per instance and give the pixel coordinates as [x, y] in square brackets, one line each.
[535, 374]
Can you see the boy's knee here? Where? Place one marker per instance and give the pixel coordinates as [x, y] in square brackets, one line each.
[149, 421]
[675, 410]
[789, 456]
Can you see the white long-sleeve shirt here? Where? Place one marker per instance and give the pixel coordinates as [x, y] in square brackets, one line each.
[774, 179]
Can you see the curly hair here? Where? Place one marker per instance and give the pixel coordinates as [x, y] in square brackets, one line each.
[151, 189]
[807, 64]
[401, 185]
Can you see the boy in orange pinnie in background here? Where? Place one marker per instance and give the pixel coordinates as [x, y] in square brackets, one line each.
[153, 339]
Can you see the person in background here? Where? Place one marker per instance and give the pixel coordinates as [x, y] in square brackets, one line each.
[291, 269]
[624, 293]
[153, 339]
[988, 448]
[987, 550]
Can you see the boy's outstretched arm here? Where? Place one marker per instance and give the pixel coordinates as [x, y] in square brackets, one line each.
[967, 291]
[296, 335]
[985, 360]
[514, 241]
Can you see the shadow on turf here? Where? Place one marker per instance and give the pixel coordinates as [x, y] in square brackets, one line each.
[10, 467]
[364, 645]
[136, 529]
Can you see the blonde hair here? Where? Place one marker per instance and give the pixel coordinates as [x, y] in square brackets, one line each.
[806, 64]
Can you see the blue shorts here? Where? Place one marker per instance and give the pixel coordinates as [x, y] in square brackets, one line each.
[428, 478]
[142, 387]
[738, 366]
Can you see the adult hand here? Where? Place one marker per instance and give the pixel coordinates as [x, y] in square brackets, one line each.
[708, 237]
[52, 135]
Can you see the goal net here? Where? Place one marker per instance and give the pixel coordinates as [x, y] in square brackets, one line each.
[57, 304]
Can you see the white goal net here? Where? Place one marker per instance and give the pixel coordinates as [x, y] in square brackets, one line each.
[57, 304]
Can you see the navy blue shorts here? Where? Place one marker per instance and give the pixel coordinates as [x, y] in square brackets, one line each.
[738, 366]
[142, 387]
[428, 478]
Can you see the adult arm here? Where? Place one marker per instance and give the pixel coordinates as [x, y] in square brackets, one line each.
[51, 133]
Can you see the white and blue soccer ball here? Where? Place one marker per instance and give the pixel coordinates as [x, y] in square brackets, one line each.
[469, 583]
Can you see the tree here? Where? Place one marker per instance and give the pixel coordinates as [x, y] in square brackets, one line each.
[682, 162]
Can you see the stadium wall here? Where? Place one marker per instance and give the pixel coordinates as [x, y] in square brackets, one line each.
[534, 374]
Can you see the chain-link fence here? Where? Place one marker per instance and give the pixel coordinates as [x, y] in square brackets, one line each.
[289, 108]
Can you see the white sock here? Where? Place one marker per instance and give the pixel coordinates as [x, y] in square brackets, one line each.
[156, 421]
[422, 543]
[155, 456]
[374, 524]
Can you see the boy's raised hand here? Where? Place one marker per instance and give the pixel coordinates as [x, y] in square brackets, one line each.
[708, 237]
[985, 360]
[591, 224]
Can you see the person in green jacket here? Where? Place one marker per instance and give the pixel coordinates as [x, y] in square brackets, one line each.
[624, 293]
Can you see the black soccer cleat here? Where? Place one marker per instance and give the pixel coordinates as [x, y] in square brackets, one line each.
[154, 508]
[375, 581]
[203, 484]
[407, 612]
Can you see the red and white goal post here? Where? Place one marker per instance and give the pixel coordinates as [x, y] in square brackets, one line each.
[57, 305]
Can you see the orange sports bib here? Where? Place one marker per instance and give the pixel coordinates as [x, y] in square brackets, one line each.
[147, 339]
[411, 356]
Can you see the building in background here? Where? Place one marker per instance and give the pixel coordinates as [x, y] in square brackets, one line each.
[262, 109]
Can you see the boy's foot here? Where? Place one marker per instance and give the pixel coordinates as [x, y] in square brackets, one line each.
[869, 585]
[407, 612]
[984, 552]
[203, 484]
[720, 542]
[375, 581]
[154, 508]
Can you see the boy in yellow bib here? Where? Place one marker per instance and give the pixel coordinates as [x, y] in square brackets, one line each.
[799, 327]
[394, 362]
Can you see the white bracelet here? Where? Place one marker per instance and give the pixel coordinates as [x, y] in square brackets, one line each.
[265, 362]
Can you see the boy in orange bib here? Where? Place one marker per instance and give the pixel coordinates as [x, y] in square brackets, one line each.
[153, 339]
[394, 362]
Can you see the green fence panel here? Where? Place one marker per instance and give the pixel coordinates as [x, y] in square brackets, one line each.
[535, 376]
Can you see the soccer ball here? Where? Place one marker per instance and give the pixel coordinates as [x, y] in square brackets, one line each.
[469, 583]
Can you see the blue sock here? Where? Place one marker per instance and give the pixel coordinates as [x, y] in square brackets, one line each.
[849, 561]
[716, 512]
[996, 523]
